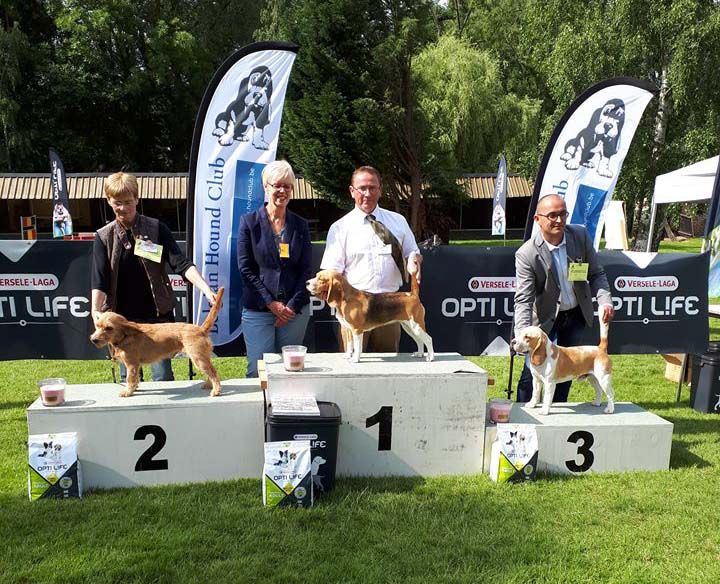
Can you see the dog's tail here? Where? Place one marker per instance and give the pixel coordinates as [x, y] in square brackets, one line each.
[604, 330]
[212, 315]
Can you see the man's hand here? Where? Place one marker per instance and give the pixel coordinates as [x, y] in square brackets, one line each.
[607, 312]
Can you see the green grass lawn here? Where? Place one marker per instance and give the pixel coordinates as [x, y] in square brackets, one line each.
[632, 527]
[621, 528]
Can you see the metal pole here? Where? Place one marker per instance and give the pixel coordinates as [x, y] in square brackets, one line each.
[652, 226]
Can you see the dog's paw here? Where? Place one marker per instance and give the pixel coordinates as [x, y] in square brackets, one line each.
[566, 156]
[597, 403]
[605, 172]
[429, 357]
[218, 132]
[207, 385]
[215, 392]
[225, 140]
[609, 409]
[531, 404]
[126, 393]
[418, 355]
[572, 165]
[544, 411]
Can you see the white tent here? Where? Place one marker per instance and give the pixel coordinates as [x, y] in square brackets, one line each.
[690, 183]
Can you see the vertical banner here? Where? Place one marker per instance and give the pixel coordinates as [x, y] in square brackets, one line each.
[587, 149]
[498, 215]
[236, 135]
[712, 237]
[61, 219]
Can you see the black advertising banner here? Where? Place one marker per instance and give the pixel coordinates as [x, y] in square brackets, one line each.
[62, 221]
[660, 301]
[498, 214]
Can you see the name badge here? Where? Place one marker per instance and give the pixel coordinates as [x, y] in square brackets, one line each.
[285, 250]
[578, 271]
[148, 250]
[385, 249]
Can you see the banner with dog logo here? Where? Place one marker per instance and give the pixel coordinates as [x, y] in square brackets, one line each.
[498, 214]
[61, 219]
[712, 237]
[587, 149]
[236, 135]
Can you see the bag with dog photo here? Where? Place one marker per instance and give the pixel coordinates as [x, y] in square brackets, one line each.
[54, 468]
[514, 454]
[287, 476]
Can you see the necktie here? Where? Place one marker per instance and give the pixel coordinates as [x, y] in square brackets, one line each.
[388, 238]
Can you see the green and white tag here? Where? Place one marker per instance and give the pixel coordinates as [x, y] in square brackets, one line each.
[148, 250]
[578, 271]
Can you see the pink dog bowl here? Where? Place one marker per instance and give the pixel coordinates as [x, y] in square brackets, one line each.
[52, 391]
[294, 357]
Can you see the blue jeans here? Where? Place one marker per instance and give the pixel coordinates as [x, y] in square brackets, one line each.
[566, 332]
[262, 336]
[161, 371]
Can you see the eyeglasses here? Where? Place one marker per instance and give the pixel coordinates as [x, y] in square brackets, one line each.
[562, 215]
[117, 203]
[281, 186]
[366, 189]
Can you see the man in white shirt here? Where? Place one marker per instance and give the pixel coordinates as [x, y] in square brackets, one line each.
[355, 249]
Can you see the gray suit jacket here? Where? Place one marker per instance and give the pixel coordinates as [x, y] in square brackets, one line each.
[537, 293]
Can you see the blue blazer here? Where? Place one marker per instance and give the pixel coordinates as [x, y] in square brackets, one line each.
[264, 273]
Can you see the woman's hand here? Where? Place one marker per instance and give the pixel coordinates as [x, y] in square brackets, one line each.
[283, 314]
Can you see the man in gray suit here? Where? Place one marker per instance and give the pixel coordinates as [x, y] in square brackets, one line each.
[557, 273]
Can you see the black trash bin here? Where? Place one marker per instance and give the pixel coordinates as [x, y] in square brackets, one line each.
[322, 431]
[705, 386]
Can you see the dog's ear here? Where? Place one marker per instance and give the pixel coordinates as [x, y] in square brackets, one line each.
[333, 293]
[539, 352]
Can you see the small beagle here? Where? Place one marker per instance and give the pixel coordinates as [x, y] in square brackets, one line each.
[360, 311]
[551, 364]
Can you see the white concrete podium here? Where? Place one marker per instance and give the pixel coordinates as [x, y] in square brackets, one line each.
[167, 432]
[578, 437]
[400, 415]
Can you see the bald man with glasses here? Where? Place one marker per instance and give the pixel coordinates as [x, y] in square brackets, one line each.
[557, 274]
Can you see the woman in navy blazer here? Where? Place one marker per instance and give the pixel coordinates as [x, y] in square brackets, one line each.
[274, 258]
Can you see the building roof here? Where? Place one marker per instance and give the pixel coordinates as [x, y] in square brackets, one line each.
[26, 186]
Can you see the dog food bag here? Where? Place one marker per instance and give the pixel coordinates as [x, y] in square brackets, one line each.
[287, 476]
[54, 468]
[514, 453]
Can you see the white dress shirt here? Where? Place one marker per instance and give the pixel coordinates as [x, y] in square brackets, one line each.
[568, 300]
[354, 249]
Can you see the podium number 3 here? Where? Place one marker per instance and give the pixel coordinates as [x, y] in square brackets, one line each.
[583, 450]
[383, 417]
[146, 460]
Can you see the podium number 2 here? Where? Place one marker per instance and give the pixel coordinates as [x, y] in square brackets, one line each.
[583, 450]
[383, 417]
[146, 460]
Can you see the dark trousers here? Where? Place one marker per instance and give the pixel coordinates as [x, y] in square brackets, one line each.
[566, 332]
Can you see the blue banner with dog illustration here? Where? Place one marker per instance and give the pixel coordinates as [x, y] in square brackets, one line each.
[236, 135]
[587, 149]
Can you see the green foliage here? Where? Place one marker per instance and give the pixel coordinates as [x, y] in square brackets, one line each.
[114, 83]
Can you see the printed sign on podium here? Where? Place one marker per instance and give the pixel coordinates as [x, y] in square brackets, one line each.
[400, 415]
[577, 438]
[166, 432]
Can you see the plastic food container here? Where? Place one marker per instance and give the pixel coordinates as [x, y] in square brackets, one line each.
[500, 410]
[52, 391]
[294, 357]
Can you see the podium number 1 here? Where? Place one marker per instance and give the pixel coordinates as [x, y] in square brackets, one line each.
[583, 450]
[383, 417]
[146, 460]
